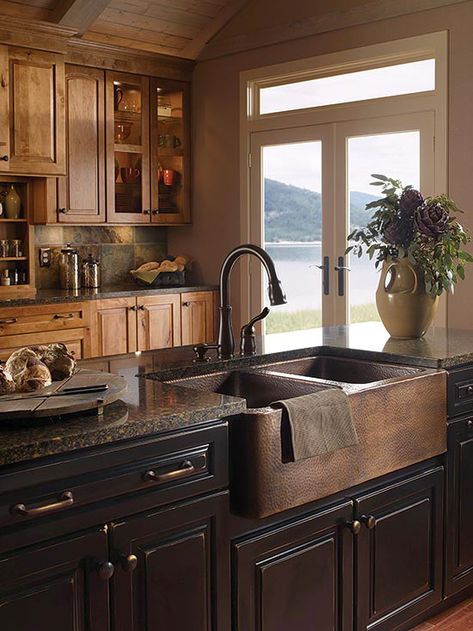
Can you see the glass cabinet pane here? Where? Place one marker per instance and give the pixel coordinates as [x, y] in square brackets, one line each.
[131, 146]
[169, 152]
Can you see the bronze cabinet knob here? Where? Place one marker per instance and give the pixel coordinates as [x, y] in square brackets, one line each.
[4, 158]
[369, 521]
[128, 562]
[147, 212]
[469, 424]
[134, 308]
[63, 211]
[354, 526]
[105, 570]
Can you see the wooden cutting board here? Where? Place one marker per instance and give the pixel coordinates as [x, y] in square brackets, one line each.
[42, 403]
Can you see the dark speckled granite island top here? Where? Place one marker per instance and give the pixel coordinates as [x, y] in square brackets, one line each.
[151, 407]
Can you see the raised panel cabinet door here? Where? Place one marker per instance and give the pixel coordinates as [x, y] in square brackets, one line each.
[159, 322]
[81, 194]
[459, 551]
[197, 317]
[113, 326]
[37, 112]
[297, 576]
[399, 551]
[57, 585]
[172, 569]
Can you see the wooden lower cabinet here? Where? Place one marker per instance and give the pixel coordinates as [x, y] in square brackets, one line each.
[197, 317]
[181, 576]
[297, 576]
[56, 586]
[399, 551]
[113, 326]
[459, 526]
[159, 321]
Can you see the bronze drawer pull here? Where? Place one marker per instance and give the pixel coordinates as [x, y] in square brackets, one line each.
[369, 521]
[4, 158]
[185, 469]
[65, 500]
[128, 562]
[354, 526]
[105, 570]
[60, 316]
[8, 321]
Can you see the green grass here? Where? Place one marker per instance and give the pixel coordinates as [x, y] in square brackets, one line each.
[284, 321]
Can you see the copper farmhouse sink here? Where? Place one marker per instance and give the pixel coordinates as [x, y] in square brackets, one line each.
[399, 414]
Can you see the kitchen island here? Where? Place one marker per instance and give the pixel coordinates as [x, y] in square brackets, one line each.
[125, 521]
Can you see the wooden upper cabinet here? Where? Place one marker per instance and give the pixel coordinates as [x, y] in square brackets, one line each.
[127, 137]
[34, 141]
[81, 194]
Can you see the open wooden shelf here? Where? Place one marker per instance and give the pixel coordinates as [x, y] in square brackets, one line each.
[13, 258]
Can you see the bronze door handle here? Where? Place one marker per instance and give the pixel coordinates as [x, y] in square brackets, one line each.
[134, 308]
[63, 211]
[65, 500]
[185, 469]
[8, 321]
[4, 158]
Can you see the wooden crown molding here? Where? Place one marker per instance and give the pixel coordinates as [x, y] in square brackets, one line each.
[109, 57]
[34, 34]
[371, 11]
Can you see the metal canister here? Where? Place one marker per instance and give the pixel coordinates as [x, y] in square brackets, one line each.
[69, 268]
[90, 273]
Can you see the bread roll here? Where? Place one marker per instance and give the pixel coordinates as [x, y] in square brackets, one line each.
[27, 371]
[59, 360]
[148, 267]
[7, 385]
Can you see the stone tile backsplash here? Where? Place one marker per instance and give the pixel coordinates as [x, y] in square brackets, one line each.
[119, 249]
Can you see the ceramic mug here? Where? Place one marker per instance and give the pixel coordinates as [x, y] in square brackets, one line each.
[117, 97]
[168, 177]
[130, 174]
[169, 141]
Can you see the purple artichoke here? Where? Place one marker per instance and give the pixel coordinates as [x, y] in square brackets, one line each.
[399, 232]
[410, 201]
[432, 220]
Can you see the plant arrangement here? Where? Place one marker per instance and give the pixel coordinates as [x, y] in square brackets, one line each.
[426, 231]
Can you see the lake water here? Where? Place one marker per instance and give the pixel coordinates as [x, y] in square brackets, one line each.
[303, 283]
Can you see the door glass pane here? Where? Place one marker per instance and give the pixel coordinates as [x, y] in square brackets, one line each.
[292, 202]
[169, 173]
[409, 78]
[128, 131]
[395, 155]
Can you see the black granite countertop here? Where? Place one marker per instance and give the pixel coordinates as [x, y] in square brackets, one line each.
[54, 296]
[151, 407]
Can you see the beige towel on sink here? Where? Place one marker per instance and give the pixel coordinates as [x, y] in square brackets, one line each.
[319, 423]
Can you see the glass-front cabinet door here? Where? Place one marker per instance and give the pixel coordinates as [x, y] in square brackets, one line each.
[169, 152]
[128, 150]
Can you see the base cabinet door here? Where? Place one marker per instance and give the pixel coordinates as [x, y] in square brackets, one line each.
[173, 569]
[297, 576]
[113, 326]
[399, 551]
[197, 317]
[57, 586]
[459, 551]
[159, 324]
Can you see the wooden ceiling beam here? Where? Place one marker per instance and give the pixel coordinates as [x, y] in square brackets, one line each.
[78, 14]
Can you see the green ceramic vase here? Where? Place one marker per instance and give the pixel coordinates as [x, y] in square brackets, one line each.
[12, 204]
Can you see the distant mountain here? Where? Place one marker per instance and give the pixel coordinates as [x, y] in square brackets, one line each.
[295, 214]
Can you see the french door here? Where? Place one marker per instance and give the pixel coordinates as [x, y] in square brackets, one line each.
[308, 189]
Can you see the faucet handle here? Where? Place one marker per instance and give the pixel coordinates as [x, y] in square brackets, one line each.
[247, 335]
[200, 351]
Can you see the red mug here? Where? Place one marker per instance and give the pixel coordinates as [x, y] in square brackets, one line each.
[168, 177]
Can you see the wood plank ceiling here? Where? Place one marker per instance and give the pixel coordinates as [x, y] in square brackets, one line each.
[180, 28]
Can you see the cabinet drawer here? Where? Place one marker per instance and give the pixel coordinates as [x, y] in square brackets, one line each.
[76, 340]
[173, 469]
[40, 318]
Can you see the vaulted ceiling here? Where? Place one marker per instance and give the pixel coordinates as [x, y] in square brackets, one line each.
[174, 27]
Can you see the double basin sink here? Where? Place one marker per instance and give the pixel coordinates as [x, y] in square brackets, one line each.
[399, 414]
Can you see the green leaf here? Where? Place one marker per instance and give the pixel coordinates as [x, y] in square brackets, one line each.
[377, 176]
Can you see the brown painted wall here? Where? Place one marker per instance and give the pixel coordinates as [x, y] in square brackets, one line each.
[216, 178]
